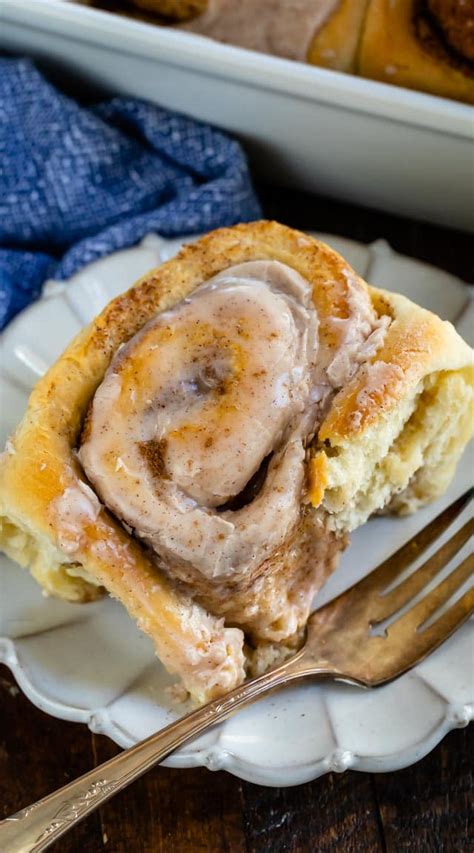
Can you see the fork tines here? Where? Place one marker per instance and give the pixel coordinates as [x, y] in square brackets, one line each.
[390, 601]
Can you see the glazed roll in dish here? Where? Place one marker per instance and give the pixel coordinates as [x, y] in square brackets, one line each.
[203, 449]
[322, 32]
[420, 44]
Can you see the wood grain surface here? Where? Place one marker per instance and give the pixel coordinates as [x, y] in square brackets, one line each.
[422, 808]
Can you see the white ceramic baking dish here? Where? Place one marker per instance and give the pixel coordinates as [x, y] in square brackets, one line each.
[318, 130]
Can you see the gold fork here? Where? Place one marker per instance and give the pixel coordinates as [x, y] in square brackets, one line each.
[346, 640]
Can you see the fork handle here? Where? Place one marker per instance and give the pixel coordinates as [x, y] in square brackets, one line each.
[35, 827]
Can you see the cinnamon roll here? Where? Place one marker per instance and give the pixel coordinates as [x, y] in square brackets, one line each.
[421, 44]
[321, 32]
[202, 450]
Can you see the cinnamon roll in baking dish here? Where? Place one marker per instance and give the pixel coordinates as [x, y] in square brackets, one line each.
[321, 32]
[204, 447]
[420, 44]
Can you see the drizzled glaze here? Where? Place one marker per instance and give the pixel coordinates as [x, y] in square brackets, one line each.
[279, 27]
[192, 406]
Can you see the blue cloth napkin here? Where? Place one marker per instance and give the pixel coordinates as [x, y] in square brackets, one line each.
[77, 183]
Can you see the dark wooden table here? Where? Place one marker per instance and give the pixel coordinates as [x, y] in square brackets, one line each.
[422, 808]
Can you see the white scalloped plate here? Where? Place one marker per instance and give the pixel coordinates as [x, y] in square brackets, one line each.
[90, 664]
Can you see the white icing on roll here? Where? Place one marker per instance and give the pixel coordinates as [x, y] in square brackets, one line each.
[200, 399]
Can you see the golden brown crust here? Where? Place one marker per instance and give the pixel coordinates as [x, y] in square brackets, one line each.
[426, 45]
[417, 343]
[335, 45]
[392, 51]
